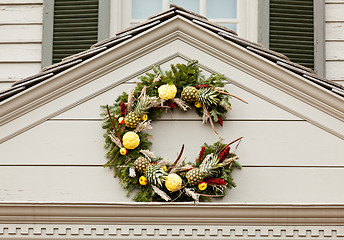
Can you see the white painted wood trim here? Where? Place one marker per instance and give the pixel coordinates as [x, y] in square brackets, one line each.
[173, 213]
[159, 232]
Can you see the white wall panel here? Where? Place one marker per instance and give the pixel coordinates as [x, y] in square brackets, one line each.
[5, 85]
[335, 70]
[16, 71]
[335, 51]
[334, 31]
[95, 184]
[21, 14]
[20, 52]
[334, 12]
[20, 33]
[20, 1]
[265, 143]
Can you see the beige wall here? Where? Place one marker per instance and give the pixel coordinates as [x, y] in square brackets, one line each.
[335, 40]
[20, 39]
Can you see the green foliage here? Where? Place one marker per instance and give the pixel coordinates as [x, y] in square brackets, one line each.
[217, 103]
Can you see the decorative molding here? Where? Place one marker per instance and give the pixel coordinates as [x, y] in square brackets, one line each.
[172, 213]
[170, 221]
[43, 231]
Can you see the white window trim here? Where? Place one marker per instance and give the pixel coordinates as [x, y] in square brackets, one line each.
[247, 17]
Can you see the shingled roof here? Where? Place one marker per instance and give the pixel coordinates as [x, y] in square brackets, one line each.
[155, 20]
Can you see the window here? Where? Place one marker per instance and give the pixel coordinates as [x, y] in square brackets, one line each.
[238, 15]
[70, 27]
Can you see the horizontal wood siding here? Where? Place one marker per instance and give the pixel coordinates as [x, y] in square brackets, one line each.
[57, 142]
[96, 184]
[335, 40]
[285, 158]
[20, 39]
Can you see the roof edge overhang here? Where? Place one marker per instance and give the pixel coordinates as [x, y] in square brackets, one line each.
[172, 213]
[175, 28]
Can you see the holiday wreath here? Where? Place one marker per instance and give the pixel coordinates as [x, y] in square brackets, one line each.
[157, 178]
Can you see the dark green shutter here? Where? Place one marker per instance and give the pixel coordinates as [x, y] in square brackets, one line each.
[292, 30]
[75, 27]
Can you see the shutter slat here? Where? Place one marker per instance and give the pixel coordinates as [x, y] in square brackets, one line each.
[292, 30]
[75, 27]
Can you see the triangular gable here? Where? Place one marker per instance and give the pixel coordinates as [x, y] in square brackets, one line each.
[177, 36]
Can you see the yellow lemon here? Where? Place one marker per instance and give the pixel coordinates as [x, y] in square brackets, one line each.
[144, 117]
[123, 151]
[143, 180]
[173, 182]
[198, 104]
[202, 186]
[167, 91]
[130, 140]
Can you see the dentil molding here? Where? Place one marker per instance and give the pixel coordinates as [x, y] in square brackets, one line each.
[44, 231]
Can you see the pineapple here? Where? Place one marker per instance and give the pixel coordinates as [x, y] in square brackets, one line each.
[133, 118]
[189, 94]
[207, 96]
[141, 164]
[209, 164]
[194, 176]
[155, 174]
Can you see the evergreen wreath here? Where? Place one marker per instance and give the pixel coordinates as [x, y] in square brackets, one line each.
[157, 178]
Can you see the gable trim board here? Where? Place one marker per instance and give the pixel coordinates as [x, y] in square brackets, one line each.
[205, 41]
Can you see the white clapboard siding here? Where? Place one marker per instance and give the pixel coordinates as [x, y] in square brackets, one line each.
[334, 1]
[335, 51]
[335, 70]
[256, 108]
[334, 31]
[265, 143]
[20, 33]
[20, 52]
[340, 82]
[95, 184]
[334, 12]
[334, 40]
[5, 85]
[20, 39]
[25, 14]
[20, 1]
[15, 71]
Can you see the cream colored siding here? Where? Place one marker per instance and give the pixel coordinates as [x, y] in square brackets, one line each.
[335, 40]
[20, 39]
[283, 156]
